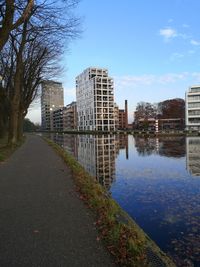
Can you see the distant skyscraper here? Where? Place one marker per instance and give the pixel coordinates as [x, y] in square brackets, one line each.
[51, 99]
[192, 108]
[95, 100]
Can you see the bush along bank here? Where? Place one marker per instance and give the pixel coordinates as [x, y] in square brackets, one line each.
[125, 240]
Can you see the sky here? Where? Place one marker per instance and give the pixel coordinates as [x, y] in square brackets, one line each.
[150, 48]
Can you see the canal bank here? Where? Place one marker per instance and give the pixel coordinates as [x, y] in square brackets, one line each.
[122, 236]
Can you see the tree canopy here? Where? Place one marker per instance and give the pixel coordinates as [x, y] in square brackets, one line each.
[172, 108]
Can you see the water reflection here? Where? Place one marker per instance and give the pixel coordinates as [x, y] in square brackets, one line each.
[122, 144]
[193, 155]
[164, 146]
[66, 141]
[97, 154]
[155, 188]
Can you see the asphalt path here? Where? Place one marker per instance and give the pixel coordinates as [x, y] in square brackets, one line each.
[43, 223]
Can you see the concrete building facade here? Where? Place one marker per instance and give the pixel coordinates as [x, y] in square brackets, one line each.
[116, 116]
[65, 118]
[70, 117]
[51, 99]
[95, 100]
[58, 119]
[192, 108]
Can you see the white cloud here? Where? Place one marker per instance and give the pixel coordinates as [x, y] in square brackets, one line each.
[185, 25]
[149, 80]
[168, 33]
[176, 56]
[194, 42]
[134, 81]
[172, 77]
[170, 20]
[34, 115]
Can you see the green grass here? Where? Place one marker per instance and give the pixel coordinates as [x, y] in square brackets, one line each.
[122, 236]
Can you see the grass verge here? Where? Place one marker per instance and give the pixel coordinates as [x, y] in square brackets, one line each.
[123, 237]
[6, 151]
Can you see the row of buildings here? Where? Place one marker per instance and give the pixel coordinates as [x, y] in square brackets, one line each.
[95, 109]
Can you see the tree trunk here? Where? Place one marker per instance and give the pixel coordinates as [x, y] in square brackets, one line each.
[20, 126]
[2, 127]
[14, 108]
[15, 102]
[13, 125]
[3, 114]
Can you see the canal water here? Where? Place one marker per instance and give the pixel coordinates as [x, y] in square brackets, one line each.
[155, 180]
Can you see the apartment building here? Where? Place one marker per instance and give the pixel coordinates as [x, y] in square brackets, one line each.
[65, 118]
[58, 119]
[116, 116]
[70, 117]
[51, 99]
[192, 102]
[95, 100]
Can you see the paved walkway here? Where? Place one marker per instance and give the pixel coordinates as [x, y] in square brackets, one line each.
[42, 221]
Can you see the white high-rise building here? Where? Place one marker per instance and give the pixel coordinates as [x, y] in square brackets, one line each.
[95, 100]
[192, 108]
[51, 99]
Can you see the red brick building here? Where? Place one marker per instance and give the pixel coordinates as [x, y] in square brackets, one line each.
[123, 117]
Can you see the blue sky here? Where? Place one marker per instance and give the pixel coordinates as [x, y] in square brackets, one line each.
[151, 49]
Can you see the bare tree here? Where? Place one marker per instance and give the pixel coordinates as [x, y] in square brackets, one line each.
[32, 52]
[144, 110]
[13, 14]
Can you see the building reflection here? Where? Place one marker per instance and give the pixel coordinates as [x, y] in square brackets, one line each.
[172, 146]
[97, 155]
[121, 143]
[146, 146]
[193, 155]
[67, 141]
[164, 146]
